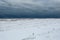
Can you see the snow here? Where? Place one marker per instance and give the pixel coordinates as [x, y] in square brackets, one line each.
[30, 29]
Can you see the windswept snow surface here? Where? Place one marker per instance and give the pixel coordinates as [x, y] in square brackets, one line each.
[29, 29]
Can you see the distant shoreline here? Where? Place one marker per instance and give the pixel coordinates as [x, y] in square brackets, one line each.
[16, 19]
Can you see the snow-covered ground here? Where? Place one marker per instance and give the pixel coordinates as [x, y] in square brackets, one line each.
[30, 29]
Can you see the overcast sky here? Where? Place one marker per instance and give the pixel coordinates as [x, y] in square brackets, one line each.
[29, 8]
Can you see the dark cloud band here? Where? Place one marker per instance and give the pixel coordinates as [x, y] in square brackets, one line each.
[29, 9]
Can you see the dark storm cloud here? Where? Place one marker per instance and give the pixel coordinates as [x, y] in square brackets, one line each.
[29, 8]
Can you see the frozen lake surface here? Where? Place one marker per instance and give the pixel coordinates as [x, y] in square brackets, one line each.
[30, 29]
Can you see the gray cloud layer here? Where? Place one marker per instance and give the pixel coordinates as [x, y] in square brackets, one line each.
[32, 7]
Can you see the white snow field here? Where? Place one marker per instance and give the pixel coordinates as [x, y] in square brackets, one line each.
[29, 29]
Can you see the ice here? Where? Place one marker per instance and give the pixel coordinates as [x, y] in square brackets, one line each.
[30, 29]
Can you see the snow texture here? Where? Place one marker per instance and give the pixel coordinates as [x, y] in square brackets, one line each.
[29, 29]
